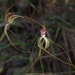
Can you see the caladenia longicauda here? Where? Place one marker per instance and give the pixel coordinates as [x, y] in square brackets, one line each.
[43, 41]
[9, 18]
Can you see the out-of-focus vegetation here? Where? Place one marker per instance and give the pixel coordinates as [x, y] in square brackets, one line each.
[60, 24]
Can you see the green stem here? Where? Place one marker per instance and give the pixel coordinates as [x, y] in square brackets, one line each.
[42, 66]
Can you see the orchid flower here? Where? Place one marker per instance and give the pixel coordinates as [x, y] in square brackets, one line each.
[9, 18]
[44, 43]
[43, 39]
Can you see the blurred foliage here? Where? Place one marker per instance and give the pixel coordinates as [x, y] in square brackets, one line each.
[60, 25]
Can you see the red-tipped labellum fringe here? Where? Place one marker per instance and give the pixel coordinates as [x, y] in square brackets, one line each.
[43, 32]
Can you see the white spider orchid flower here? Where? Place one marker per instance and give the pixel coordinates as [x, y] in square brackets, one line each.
[43, 41]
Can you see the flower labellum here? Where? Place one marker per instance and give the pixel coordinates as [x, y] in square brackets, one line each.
[10, 17]
[43, 32]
